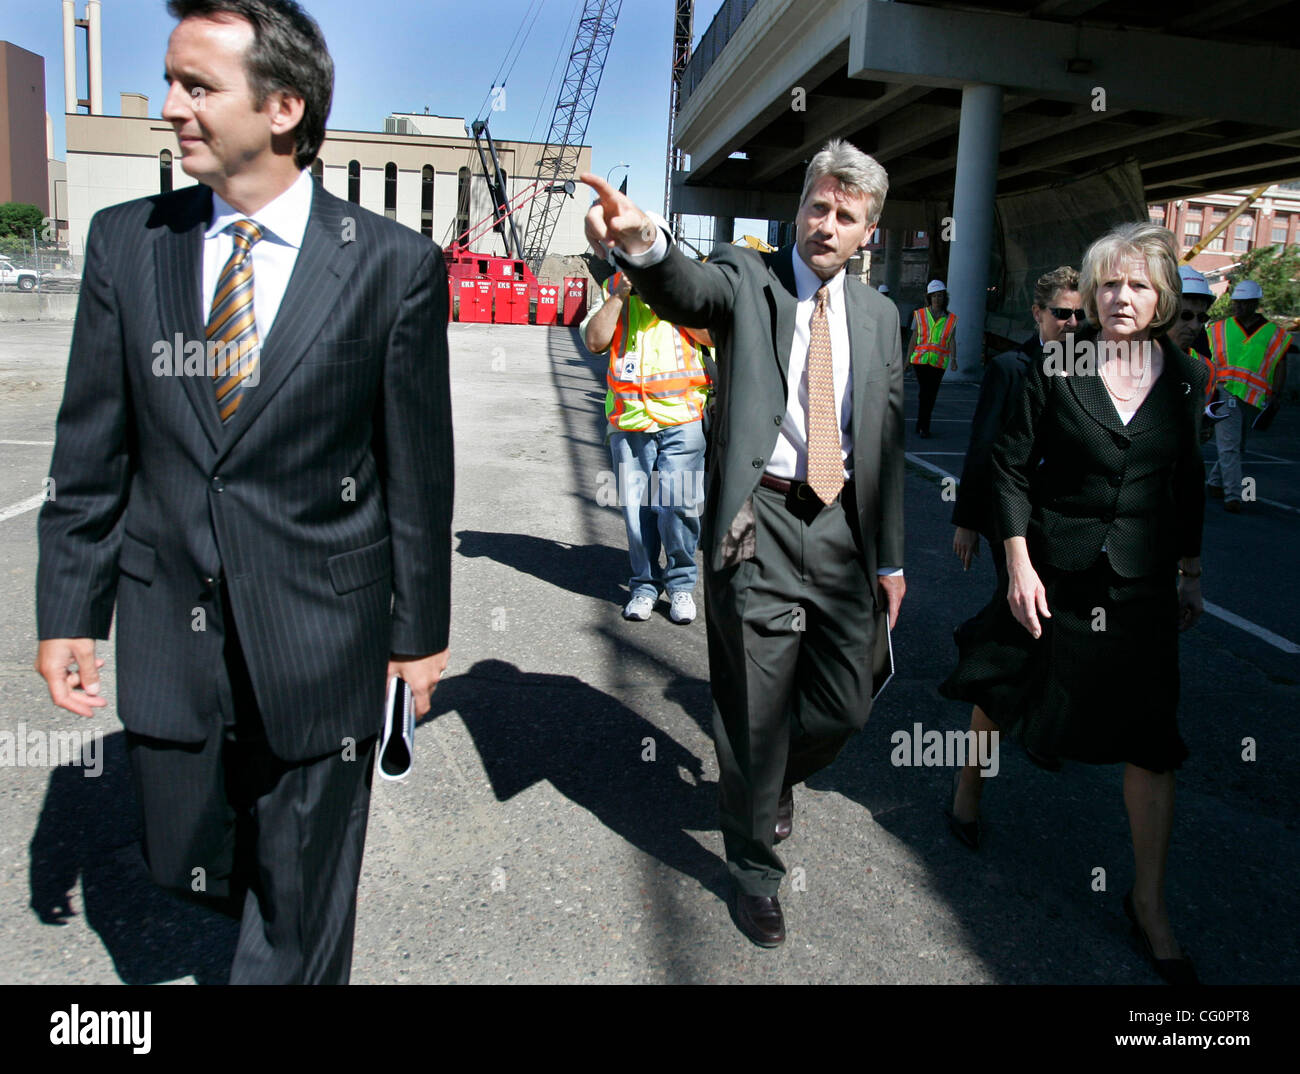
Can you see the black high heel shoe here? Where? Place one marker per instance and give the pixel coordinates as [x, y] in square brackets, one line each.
[1175, 971]
[967, 832]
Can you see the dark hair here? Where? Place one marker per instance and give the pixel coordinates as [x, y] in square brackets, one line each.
[1064, 278]
[288, 53]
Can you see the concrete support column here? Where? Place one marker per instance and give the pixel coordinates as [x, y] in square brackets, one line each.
[972, 222]
[69, 56]
[94, 58]
[724, 228]
[893, 257]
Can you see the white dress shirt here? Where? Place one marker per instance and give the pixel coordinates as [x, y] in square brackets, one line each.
[283, 223]
[790, 457]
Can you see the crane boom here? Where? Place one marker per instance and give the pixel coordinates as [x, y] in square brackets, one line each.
[573, 106]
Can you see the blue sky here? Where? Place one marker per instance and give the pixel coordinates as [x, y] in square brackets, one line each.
[404, 55]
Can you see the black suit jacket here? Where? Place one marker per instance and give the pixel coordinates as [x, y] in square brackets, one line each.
[325, 502]
[1071, 477]
[748, 301]
[998, 399]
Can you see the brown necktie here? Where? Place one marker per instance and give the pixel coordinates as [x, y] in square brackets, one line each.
[825, 458]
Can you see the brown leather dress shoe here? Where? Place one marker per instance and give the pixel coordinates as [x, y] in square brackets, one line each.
[784, 814]
[759, 917]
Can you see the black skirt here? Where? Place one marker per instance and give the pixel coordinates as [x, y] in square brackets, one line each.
[1101, 683]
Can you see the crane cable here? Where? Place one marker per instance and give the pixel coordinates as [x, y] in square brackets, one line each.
[497, 80]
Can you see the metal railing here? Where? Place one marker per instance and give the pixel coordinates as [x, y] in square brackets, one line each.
[725, 23]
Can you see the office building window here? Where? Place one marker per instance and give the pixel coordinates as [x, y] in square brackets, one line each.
[1280, 230]
[354, 182]
[1191, 232]
[165, 171]
[462, 202]
[1216, 244]
[390, 190]
[426, 201]
[1242, 242]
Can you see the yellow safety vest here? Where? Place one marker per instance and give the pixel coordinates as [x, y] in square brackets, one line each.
[934, 339]
[1246, 361]
[656, 377]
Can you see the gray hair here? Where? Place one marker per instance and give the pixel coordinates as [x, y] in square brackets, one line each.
[856, 172]
[1147, 242]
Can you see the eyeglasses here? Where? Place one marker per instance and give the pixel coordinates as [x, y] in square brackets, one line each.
[1187, 315]
[1065, 314]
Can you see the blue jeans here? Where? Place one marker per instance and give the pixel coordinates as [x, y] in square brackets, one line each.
[661, 492]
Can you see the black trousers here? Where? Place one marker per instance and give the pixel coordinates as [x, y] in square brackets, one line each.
[276, 844]
[928, 379]
[790, 644]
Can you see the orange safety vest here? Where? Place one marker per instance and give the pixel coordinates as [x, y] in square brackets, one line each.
[666, 384]
[934, 339]
[1246, 361]
[1212, 381]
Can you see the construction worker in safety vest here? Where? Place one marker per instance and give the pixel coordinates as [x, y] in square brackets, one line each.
[1188, 334]
[1249, 351]
[657, 391]
[932, 345]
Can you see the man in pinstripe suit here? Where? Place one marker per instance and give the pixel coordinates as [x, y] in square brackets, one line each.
[275, 534]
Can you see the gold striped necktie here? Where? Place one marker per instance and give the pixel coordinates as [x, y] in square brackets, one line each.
[825, 455]
[232, 327]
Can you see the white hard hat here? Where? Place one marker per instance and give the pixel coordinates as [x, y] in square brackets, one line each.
[1193, 282]
[934, 286]
[883, 288]
[1247, 290]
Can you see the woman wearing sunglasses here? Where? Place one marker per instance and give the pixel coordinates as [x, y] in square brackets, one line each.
[1057, 310]
[1099, 495]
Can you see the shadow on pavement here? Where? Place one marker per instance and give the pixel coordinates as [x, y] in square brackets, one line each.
[587, 570]
[529, 727]
[89, 831]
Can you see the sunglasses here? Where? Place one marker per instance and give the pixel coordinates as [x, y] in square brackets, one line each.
[1187, 315]
[1065, 314]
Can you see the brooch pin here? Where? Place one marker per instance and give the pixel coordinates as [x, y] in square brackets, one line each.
[1187, 388]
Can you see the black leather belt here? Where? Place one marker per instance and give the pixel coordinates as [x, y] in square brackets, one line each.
[801, 489]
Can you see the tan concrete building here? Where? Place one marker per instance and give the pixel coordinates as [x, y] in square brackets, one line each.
[23, 174]
[422, 171]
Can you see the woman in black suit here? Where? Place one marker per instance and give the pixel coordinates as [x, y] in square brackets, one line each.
[1099, 497]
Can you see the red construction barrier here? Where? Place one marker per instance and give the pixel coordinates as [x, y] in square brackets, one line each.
[503, 302]
[520, 298]
[548, 298]
[575, 300]
[467, 299]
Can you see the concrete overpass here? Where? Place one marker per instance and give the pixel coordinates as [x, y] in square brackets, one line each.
[962, 103]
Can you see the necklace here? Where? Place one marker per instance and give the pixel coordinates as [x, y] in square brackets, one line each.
[1141, 383]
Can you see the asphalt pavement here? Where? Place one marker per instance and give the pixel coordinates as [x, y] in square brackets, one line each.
[560, 823]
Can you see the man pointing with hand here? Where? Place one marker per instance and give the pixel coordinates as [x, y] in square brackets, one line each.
[803, 520]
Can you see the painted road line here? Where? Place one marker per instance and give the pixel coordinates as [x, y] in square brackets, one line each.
[1263, 633]
[912, 457]
[1274, 503]
[22, 507]
[1276, 640]
[27, 443]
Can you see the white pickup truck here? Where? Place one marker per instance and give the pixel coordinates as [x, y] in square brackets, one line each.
[13, 276]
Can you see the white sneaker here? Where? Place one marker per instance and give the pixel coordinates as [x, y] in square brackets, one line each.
[682, 609]
[638, 609]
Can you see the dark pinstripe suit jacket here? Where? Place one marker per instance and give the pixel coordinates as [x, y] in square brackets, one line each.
[1071, 477]
[325, 502]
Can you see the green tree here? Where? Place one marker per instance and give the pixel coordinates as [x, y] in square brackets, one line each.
[1275, 269]
[18, 218]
